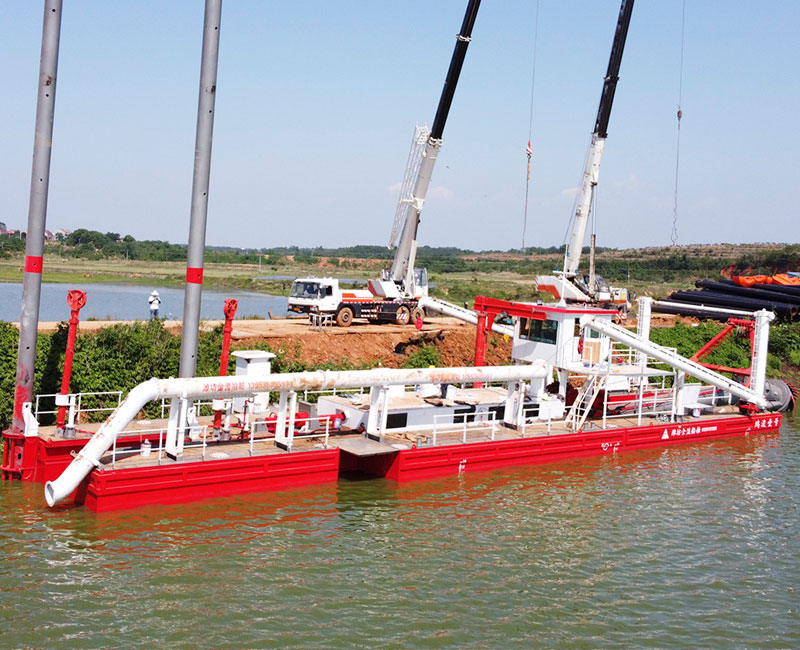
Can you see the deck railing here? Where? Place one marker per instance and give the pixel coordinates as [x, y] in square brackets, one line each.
[472, 423]
[115, 397]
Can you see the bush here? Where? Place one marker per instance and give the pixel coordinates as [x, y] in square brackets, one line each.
[424, 357]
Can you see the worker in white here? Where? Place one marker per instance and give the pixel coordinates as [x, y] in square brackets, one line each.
[154, 301]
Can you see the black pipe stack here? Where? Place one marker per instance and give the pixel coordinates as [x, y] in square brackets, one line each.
[782, 299]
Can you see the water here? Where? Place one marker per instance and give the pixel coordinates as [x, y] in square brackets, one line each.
[129, 302]
[690, 547]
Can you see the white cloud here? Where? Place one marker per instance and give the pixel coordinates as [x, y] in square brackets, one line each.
[441, 193]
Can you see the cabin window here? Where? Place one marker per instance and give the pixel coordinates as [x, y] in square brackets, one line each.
[397, 420]
[540, 331]
[588, 333]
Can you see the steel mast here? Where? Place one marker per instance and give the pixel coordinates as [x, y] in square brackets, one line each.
[200, 183]
[37, 210]
[592, 169]
[402, 271]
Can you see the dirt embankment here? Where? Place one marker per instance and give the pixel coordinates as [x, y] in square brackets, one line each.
[361, 344]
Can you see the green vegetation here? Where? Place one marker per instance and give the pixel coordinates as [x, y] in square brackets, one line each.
[423, 357]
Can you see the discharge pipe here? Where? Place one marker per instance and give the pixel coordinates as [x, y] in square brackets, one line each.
[76, 299]
[206, 387]
[462, 313]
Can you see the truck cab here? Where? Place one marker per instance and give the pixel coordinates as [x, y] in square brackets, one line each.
[321, 295]
[314, 294]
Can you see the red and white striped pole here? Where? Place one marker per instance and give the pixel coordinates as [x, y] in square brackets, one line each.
[37, 210]
[200, 183]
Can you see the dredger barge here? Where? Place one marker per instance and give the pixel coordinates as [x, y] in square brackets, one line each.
[580, 385]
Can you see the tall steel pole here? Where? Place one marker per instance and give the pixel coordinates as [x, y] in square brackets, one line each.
[37, 209]
[202, 171]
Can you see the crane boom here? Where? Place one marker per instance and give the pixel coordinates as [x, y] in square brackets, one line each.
[401, 273]
[592, 169]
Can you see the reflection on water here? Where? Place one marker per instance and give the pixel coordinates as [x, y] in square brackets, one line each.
[692, 546]
[129, 302]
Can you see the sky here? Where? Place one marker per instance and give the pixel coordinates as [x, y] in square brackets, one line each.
[317, 102]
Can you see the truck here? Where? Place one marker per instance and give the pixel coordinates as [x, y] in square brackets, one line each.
[395, 296]
[314, 295]
[569, 285]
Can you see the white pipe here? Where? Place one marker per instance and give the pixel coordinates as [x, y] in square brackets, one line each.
[758, 372]
[673, 359]
[217, 387]
[462, 313]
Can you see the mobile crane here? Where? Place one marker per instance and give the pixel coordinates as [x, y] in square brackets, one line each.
[400, 293]
[568, 285]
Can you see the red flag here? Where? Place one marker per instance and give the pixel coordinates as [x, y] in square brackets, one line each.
[529, 149]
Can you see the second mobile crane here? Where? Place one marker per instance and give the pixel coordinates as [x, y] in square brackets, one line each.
[400, 293]
[568, 285]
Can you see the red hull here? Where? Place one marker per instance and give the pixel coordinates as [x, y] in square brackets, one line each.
[426, 463]
[183, 482]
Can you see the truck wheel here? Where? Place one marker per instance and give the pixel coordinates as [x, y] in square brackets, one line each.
[416, 313]
[403, 315]
[344, 317]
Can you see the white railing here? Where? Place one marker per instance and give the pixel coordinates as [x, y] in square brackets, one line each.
[530, 419]
[479, 422]
[302, 430]
[334, 392]
[79, 399]
[200, 438]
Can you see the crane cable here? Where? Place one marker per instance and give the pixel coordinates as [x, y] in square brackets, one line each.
[674, 235]
[529, 149]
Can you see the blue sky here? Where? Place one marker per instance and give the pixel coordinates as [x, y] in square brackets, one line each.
[317, 102]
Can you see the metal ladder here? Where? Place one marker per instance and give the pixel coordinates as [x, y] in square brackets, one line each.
[586, 397]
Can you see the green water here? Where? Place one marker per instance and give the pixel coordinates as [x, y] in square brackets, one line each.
[696, 546]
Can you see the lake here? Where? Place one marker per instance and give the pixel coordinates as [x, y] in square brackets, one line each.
[129, 302]
[694, 546]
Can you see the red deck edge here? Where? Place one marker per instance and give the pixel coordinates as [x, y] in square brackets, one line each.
[432, 462]
[118, 489]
